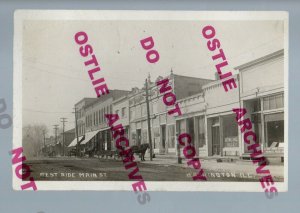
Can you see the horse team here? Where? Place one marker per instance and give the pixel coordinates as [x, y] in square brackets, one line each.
[136, 149]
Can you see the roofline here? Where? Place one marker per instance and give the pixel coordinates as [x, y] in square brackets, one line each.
[83, 99]
[192, 77]
[260, 60]
[216, 82]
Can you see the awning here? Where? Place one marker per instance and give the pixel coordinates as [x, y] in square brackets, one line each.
[74, 142]
[89, 136]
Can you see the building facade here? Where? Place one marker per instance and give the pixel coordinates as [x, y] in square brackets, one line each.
[206, 112]
[262, 94]
[162, 125]
[209, 119]
[96, 132]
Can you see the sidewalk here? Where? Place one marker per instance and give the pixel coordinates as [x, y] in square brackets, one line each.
[211, 164]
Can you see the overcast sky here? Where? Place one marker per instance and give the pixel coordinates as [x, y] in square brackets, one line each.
[54, 76]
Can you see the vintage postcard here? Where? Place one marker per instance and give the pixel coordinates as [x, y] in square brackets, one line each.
[151, 100]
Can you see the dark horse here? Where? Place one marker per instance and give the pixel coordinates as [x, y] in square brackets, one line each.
[140, 149]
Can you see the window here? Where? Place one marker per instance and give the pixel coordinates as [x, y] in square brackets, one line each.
[117, 112]
[230, 131]
[94, 118]
[255, 105]
[274, 128]
[102, 112]
[99, 118]
[180, 126]
[123, 112]
[97, 115]
[273, 102]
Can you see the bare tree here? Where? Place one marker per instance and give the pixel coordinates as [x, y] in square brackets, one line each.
[33, 139]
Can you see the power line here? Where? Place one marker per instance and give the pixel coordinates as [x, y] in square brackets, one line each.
[71, 77]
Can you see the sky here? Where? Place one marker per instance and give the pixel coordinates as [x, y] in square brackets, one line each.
[54, 77]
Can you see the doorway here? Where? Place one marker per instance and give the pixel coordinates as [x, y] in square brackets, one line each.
[215, 140]
[190, 129]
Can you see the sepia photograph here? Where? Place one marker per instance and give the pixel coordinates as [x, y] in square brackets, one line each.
[183, 101]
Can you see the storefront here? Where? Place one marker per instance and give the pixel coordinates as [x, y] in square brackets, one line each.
[264, 100]
[192, 121]
[223, 136]
[267, 116]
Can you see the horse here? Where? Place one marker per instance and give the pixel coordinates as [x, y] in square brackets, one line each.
[140, 149]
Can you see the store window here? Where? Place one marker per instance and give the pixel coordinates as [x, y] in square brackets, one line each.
[100, 116]
[274, 129]
[180, 126]
[273, 102]
[97, 117]
[123, 112]
[230, 131]
[171, 136]
[156, 138]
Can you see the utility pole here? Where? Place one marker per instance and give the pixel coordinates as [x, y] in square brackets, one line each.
[148, 118]
[55, 129]
[63, 120]
[76, 129]
[44, 133]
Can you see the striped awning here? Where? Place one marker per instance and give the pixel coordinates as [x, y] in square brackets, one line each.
[74, 142]
[89, 136]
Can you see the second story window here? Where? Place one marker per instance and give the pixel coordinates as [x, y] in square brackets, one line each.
[123, 112]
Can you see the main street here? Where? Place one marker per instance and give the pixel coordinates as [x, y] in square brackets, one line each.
[75, 169]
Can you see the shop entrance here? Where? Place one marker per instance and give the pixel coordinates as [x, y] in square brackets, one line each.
[216, 140]
[190, 129]
[163, 137]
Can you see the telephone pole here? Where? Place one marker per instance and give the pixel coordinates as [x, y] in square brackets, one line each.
[55, 129]
[44, 133]
[148, 118]
[76, 129]
[63, 120]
